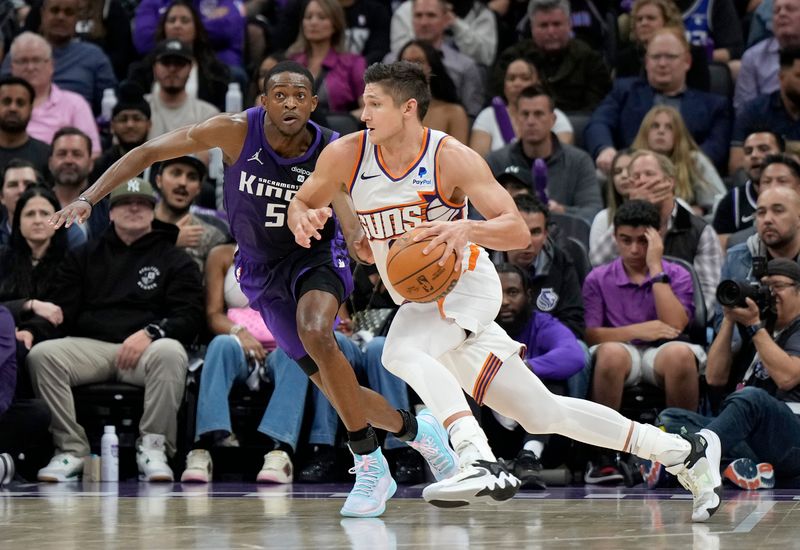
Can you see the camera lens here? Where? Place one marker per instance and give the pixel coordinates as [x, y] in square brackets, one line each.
[729, 293]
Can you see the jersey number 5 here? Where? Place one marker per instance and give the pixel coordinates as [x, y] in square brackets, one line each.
[275, 215]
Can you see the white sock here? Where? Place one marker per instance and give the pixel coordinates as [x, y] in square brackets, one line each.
[655, 444]
[469, 441]
[535, 446]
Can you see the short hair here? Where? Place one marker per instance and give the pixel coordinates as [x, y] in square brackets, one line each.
[677, 33]
[666, 165]
[507, 267]
[787, 57]
[777, 137]
[535, 6]
[70, 131]
[403, 81]
[288, 66]
[536, 90]
[782, 158]
[10, 80]
[532, 205]
[28, 38]
[19, 163]
[637, 213]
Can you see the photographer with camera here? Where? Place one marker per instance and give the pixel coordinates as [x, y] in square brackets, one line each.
[757, 424]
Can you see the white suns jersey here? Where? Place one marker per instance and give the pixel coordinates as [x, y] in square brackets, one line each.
[388, 205]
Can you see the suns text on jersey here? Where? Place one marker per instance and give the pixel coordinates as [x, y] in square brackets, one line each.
[392, 222]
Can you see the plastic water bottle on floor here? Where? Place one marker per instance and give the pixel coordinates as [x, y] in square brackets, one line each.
[109, 455]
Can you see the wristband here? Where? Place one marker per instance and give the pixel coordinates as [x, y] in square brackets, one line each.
[87, 201]
[753, 329]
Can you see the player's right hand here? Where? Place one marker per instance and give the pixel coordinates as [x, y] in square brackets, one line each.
[308, 225]
[75, 211]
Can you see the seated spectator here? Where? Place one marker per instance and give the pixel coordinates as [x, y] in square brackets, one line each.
[130, 124]
[637, 308]
[778, 112]
[70, 164]
[29, 266]
[698, 184]
[430, 19]
[617, 190]
[445, 113]
[715, 26]
[736, 210]
[470, 26]
[617, 119]
[757, 425]
[107, 24]
[179, 182]
[237, 355]
[760, 63]
[563, 174]
[16, 106]
[23, 422]
[209, 77]
[552, 352]
[130, 300]
[574, 71]
[172, 107]
[79, 67]
[223, 22]
[684, 234]
[647, 16]
[496, 125]
[338, 75]
[53, 108]
[552, 280]
[18, 175]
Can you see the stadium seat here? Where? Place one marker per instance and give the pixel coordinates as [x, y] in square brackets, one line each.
[579, 120]
[721, 79]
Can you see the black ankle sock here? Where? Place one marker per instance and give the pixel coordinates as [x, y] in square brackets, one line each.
[410, 427]
[364, 441]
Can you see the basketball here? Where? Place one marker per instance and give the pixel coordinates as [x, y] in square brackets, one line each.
[418, 277]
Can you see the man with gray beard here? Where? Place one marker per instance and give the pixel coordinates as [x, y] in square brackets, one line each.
[70, 164]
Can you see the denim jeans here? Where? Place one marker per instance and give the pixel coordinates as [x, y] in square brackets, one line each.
[225, 364]
[367, 364]
[751, 424]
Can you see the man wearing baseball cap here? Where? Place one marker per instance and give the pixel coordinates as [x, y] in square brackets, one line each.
[179, 182]
[758, 424]
[131, 301]
[172, 107]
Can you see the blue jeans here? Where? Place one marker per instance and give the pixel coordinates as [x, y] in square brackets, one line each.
[367, 364]
[751, 424]
[225, 364]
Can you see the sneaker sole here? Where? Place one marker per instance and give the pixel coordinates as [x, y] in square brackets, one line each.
[157, 478]
[48, 478]
[198, 477]
[372, 513]
[457, 496]
[765, 477]
[269, 478]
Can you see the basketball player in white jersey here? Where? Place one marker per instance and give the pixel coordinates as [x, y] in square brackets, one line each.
[401, 175]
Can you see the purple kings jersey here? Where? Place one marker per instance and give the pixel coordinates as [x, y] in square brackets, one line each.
[258, 188]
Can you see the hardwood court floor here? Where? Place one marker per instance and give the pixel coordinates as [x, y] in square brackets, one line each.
[243, 516]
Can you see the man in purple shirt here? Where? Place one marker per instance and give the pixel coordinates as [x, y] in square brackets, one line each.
[637, 307]
[552, 352]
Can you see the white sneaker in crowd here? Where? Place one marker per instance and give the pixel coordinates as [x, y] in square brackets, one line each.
[152, 460]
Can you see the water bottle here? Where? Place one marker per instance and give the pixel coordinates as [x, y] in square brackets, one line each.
[109, 455]
[233, 98]
[107, 104]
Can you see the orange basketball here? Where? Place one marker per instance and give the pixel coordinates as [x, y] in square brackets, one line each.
[418, 277]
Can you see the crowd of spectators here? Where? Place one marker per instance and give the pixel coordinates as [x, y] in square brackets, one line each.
[651, 147]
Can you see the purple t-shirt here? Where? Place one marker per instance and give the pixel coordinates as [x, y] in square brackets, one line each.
[611, 300]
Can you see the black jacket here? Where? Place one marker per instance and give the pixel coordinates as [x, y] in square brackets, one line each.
[109, 290]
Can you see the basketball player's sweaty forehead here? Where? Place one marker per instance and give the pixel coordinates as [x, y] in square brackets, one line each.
[289, 80]
[380, 92]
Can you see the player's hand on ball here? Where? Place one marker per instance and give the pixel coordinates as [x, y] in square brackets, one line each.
[308, 225]
[76, 211]
[452, 233]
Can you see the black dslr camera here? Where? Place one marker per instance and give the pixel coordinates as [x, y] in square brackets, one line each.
[732, 293]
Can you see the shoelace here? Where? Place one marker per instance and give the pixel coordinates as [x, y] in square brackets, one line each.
[431, 452]
[367, 474]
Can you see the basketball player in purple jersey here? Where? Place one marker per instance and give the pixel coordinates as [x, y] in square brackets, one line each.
[269, 152]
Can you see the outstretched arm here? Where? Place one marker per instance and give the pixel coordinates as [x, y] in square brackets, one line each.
[226, 131]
